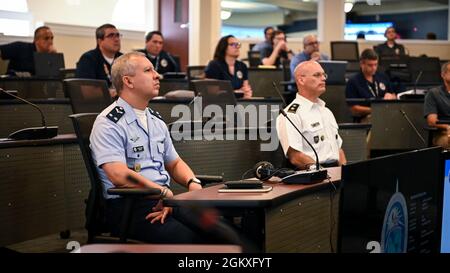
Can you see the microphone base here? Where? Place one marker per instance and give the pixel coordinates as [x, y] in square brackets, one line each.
[306, 177]
[35, 133]
[412, 96]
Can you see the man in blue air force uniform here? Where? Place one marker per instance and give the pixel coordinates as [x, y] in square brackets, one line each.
[129, 139]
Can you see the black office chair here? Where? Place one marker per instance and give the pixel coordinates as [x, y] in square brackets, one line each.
[67, 73]
[95, 204]
[195, 73]
[254, 58]
[87, 95]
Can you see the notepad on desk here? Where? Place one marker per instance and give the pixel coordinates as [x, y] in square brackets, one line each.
[260, 190]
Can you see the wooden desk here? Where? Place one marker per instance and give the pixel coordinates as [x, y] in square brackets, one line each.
[43, 187]
[157, 248]
[290, 218]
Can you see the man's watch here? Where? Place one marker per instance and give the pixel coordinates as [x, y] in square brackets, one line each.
[194, 180]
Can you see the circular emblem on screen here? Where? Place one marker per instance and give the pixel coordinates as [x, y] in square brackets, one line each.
[164, 63]
[394, 234]
[382, 86]
[239, 74]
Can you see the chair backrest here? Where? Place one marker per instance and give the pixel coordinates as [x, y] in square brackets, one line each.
[429, 69]
[335, 100]
[82, 124]
[215, 92]
[344, 51]
[87, 95]
[254, 58]
[67, 73]
[196, 72]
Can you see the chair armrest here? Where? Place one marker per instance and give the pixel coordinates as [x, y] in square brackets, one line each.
[206, 179]
[135, 192]
[431, 129]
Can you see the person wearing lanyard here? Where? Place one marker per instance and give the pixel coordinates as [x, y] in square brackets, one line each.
[96, 63]
[368, 84]
[162, 61]
[225, 66]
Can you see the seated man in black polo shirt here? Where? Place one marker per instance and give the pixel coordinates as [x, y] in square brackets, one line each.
[96, 63]
[20, 54]
[225, 66]
[390, 49]
[162, 61]
[367, 84]
[437, 108]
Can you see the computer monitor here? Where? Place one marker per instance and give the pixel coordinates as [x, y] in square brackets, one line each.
[429, 69]
[48, 64]
[389, 204]
[445, 227]
[344, 51]
[335, 71]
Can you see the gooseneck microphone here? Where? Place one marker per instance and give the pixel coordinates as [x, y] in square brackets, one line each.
[417, 81]
[33, 132]
[413, 127]
[307, 177]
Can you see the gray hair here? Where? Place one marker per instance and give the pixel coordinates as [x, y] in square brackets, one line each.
[308, 37]
[124, 66]
[444, 67]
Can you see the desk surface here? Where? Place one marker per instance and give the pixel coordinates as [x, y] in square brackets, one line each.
[210, 197]
[59, 139]
[158, 248]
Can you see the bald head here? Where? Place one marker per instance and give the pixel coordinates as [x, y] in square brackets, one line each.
[304, 67]
[309, 38]
[310, 79]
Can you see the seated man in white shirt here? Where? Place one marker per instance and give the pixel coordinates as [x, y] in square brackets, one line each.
[313, 119]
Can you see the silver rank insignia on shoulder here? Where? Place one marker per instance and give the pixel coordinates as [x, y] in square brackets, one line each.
[293, 108]
[137, 167]
[116, 114]
[154, 113]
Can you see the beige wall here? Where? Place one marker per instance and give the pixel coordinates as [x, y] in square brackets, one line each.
[204, 30]
[439, 49]
[73, 41]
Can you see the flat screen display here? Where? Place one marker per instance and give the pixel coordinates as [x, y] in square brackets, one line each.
[392, 204]
[371, 31]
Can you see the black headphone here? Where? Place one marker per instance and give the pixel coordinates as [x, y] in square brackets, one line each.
[265, 170]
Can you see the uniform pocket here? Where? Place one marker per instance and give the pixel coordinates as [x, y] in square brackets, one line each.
[314, 133]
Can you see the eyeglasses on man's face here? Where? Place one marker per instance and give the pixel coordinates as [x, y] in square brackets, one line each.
[113, 35]
[235, 45]
[318, 75]
[312, 43]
